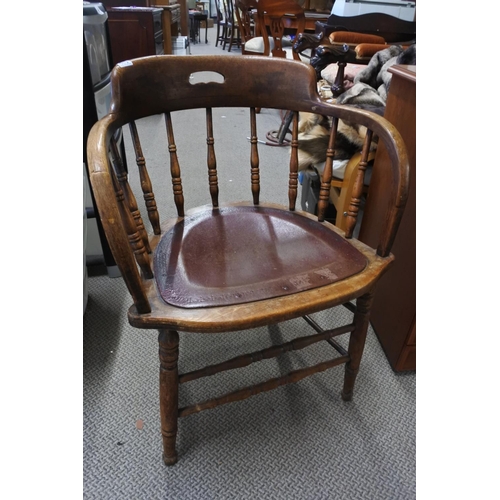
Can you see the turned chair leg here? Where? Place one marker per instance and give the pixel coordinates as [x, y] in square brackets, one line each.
[338, 86]
[169, 391]
[357, 343]
[218, 35]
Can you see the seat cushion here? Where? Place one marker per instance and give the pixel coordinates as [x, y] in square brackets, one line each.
[256, 44]
[368, 50]
[242, 254]
[353, 38]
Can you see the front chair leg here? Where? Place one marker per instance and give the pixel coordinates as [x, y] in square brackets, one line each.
[357, 343]
[169, 392]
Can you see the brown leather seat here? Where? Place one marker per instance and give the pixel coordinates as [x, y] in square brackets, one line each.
[236, 266]
[242, 254]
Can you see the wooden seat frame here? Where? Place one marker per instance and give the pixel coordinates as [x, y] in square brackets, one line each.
[161, 84]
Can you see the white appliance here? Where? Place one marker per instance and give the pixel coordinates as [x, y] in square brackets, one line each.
[180, 45]
[401, 9]
[97, 65]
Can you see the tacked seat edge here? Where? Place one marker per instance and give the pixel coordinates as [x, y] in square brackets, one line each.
[259, 313]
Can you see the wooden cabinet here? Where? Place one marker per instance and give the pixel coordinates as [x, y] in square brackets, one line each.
[394, 309]
[170, 21]
[135, 32]
[183, 13]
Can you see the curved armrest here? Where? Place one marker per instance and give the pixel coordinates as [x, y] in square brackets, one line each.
[354, 38]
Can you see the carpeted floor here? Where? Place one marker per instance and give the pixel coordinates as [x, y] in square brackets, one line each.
[297, 442]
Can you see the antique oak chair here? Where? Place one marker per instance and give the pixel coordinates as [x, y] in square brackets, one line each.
[198, 271]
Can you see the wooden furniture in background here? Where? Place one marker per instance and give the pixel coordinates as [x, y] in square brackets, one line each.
[252, 42]
[183, 14]
[184, 21]
[135, 32]
[220, 23]
[276, 16]
[170, 23]
[394, 309]
[355, 40]
[390, 28]
[197, 19]
[236, 266]
[311, 19]
[231, 29]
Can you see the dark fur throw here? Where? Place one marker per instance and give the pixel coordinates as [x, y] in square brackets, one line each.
[314, 133]
[369, 91]
[372, 83]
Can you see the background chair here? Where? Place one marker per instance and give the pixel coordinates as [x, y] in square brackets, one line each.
[220, 23]
[274, 16]
[232, 29]
[235, 266]
[262, 24]
[252, 41]
[265, 25]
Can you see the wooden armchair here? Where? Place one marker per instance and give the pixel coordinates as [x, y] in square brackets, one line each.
[225, 267]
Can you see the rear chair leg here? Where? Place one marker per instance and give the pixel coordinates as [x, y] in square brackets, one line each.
[357, 343]
[169, 391]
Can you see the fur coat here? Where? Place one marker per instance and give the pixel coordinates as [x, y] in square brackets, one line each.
[372, 83]
[314, 134]
[369, 91]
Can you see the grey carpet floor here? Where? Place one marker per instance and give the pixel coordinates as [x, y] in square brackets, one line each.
[300, 441]
[297, 442]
